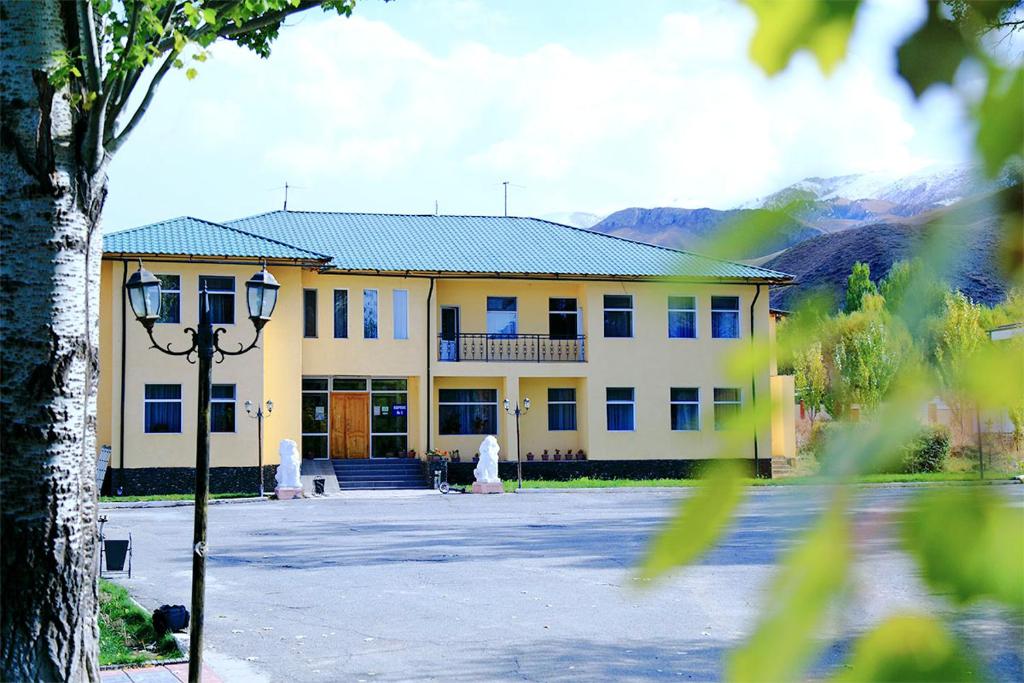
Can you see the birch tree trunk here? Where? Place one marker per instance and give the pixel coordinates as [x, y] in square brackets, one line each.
[51, 203]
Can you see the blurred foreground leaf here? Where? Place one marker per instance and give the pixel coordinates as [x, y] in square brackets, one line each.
[969, 543]
[810, 577]
[932, 54]
[783, 28]
[909, 648]
[699, 523]
[1001, 118]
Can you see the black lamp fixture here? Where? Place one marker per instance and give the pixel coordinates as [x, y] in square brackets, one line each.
[518, 412]
[144, 295]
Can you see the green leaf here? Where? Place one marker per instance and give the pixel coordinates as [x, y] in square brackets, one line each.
[1001, 118]
[932, 54]
[191, 73]
[786, 26]
[210, 15]
[813, 573]
[697, 525]
[909, 648]
[969, 543]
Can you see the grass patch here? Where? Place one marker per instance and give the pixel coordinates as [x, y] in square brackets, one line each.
[590, 483]
[169, 496]
[126, 630]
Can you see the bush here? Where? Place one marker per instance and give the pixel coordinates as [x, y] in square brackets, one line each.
[815, 446]
[927, 452]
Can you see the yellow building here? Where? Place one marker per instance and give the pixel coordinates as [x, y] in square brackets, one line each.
[398, 335]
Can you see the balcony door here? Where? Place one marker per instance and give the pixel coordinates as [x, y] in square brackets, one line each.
[449, 349]
[350, 425]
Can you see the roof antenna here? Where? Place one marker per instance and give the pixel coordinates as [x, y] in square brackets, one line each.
[505, 183]
[436, 213]
[286, 195]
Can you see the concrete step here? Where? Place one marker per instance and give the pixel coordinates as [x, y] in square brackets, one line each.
[349, 486]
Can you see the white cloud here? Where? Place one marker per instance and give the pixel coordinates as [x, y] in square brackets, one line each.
[680, 117]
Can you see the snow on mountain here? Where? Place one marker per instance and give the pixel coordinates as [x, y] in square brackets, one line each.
[577, 219]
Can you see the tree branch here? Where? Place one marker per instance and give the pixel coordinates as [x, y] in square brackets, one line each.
[116, 85]
[91, 50]
[267, 19]
[115, 142]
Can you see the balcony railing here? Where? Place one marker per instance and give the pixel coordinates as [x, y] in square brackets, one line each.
[512, 348]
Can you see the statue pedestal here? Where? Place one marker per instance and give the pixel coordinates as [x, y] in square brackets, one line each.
[287, 493]
[492, 487]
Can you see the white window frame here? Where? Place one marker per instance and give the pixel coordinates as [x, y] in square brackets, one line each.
[497, 413]
[715, 402]
[164, 290]
[695, 402]
[736, 311]
[632, 316]
[576, 414]
[233, 400]
[327, 408]
[334, 312]
[179, 401]
[316, 313]
[374, 392]
[232, 292]
[694, 310]
[376, 312]
[514, 312]
[620, 402]
[395, 317]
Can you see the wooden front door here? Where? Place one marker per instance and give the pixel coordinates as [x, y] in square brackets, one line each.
[350, 425]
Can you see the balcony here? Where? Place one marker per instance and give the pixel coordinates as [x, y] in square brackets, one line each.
[511, 348]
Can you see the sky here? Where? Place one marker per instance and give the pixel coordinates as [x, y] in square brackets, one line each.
[582, 105]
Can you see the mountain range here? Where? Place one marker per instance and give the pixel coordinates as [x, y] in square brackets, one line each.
[824, 225]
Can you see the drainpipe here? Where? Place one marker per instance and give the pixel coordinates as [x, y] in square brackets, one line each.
[429, 389]
[124, 336]
[753, 382]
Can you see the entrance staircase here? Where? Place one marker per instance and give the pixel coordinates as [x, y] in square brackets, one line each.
[380, 473]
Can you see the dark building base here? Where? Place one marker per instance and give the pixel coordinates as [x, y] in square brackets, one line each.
[148, 481]
[462, 472]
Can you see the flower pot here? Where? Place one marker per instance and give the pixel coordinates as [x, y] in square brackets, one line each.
[558, 456]
[456, 458]
[529, 456]
[544, 456]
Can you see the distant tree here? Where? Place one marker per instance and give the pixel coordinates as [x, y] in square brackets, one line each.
[811, 378]
[77, 78]
[958, 337]
[857, 285]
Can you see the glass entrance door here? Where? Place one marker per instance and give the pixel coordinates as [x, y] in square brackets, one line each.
[449, 349]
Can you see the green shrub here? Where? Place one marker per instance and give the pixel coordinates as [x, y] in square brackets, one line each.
[926, 453]
[815, 446]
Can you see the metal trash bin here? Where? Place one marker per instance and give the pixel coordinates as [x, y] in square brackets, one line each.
[116, 552]
[319, 485]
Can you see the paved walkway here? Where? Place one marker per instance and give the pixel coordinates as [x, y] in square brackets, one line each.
[511, 587]
[163, 673]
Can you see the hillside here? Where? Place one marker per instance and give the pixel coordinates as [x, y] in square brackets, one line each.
[824, 262]
[690, 229]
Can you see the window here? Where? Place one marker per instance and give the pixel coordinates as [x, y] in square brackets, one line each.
[309, 313]
[562, 318]
[315, 403]
[561, 410]
[468, 411]
[725, 317]
[170, 299]
[621, 409]
[618, 315]
[682, 317]
[222, 408]
[349, 384]
[389, 419]
[163, 408]
[685, 406]
[221, 291]
[727, 407]
[501, 315]
[400, 313]
[369, 314]
[340, 313]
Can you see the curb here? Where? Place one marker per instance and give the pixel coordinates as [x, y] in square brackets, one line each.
[775, 487]
[113, 505]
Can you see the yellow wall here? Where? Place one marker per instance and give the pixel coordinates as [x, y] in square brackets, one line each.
[783, 417]
[649, 362]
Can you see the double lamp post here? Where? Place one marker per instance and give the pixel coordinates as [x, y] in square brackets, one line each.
[518, 412]
[144, 294]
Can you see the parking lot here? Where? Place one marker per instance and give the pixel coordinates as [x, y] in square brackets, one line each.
[537, 586]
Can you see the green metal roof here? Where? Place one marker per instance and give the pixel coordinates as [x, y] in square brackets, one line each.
[195, 237]
[484, 244]
[428, 243]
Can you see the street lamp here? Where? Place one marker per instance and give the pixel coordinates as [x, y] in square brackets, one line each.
[143, 290]
[519, 449]
[258, 415]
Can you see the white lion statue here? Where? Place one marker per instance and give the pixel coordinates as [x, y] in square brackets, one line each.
[486, 471]
[287, 476]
